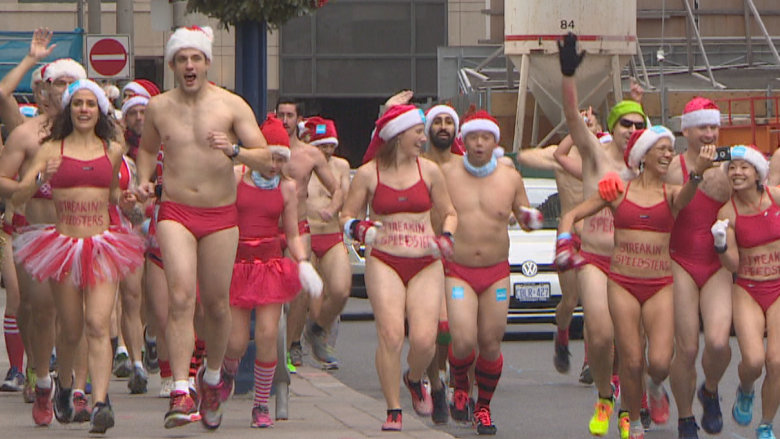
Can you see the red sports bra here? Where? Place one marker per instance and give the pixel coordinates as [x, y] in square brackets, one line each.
[758, 229]
[414, 199]
[655, 218]
[258, 210]
[72, 173]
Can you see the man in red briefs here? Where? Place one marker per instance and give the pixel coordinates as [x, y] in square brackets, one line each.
[200, 124]
[304, 160]
[484, 194]
[327, 244]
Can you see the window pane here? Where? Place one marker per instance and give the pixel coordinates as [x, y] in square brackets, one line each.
[426, 78]
[363, 76]
[369, 28]
[296, 36]
[296, 77]
[429, 27]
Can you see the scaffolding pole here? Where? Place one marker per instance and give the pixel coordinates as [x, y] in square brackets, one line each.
[701, 44]
[763, 30]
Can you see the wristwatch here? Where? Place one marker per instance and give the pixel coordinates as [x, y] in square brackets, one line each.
[236, 151]
[39, 179]
[696, 178]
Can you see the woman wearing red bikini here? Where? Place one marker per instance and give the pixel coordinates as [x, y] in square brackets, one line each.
[404, 276]
[640, 273]
[747, 237]
[81, 255]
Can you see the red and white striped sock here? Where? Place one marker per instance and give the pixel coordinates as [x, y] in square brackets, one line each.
[264, 377]
[13, 342]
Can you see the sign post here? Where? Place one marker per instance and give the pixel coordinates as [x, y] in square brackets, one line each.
[107, 56]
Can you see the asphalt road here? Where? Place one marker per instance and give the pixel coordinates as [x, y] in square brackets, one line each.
[532, 400]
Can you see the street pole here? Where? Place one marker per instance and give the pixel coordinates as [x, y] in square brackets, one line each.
[125, 25]
[93, 16]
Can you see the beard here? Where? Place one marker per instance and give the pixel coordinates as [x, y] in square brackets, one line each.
[441, 143]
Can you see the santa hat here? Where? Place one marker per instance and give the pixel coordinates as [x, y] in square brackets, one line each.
[86, 84]
[752, 155]
[395, 121]
[640, 142]
[132, 102]
[37, 77]
[321, 131]
[63, 67]
[28, 110]
[457, 146]
[111, 91]
[192, 37]
[604, 138]
[480, 121]
[276, 136]
[698, 112]
[142, 87]
[439, 110]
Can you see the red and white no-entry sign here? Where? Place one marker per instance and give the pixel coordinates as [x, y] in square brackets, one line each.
[108, 56]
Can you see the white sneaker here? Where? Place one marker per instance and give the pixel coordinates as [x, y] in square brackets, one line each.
[166, 387]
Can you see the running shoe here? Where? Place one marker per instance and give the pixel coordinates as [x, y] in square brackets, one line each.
[394, 421]
[181, 411]
[440, 415]
[659, 407]
[599, 423]
[764, 431]
[102, 418]
[290, 367]
[421, 399]
[29, 386]
[585, 376]
[43, 410]
[483, 422]
[150, 358]
[461, 407]
[53, 361]
[320, 348]
[166, 387]
[687, 428]
[624, 424]
[561, 356]
[637, 433]
[712, 418]
[63, 403]
[14, 381]
[644, 412]
[123, 368]
[80, 407]
[211, 399]
[296, 354]
[615, 381]
[137, 384]
[261, 418]
[743, 407]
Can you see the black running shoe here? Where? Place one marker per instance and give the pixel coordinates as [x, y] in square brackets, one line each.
[102, 418]
[440, 414]
[483, 422]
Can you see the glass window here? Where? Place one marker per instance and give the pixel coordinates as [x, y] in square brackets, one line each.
[296, 36]
[364, 28]
[363, 76]
[426, 77]
[295, 76]
[430, 24]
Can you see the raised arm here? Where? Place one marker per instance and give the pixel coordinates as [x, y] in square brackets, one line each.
[687, 192]
[578, 129]
[539, 158]
[569, 164]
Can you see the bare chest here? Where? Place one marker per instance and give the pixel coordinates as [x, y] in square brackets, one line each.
[490, 198]
[184, 124]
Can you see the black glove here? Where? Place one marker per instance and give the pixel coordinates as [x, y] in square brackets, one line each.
[570, 60]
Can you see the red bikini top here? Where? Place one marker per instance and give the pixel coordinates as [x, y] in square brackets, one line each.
[655, 218]
[72, 173]
[414, 199]
[258, 210]
[758, 229]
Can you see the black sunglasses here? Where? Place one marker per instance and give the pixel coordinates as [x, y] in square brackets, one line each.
[625, 123]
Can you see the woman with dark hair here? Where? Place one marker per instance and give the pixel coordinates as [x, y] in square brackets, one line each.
[747, 238]
[404, 276]
[81, 256]
[639, 289]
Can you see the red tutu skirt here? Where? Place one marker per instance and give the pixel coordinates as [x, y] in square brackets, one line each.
[106, 257]
[261, 275]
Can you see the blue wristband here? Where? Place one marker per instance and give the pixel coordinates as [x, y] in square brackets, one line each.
[564, 235]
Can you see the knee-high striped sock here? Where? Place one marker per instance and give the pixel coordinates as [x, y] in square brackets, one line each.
[264, 377]
[460, 369]
[13, 342]
[230, 365]
[487, 374]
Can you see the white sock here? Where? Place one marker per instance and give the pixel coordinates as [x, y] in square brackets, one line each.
[122, 350]
[653, 389]
[636, 427]
[138, 364]
[211, 377]
[44, 383]
[182, 386]
[151, 339]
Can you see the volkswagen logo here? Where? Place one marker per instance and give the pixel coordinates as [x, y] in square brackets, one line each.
[529, 268]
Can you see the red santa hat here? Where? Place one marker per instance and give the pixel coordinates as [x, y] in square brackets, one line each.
[191, 37]
[480, 121]
[439, 110]
[86, 84]
[142, 87]
[640, 142]
[61, 68]
[276, 136]
[457, 146]
[321, 131]
[700, 111]
[752, 155]
[395, 121]
[133, 102]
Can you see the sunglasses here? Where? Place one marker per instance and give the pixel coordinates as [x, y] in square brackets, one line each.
[625, 123]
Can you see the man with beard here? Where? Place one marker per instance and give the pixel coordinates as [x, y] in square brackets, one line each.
[133, 112]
